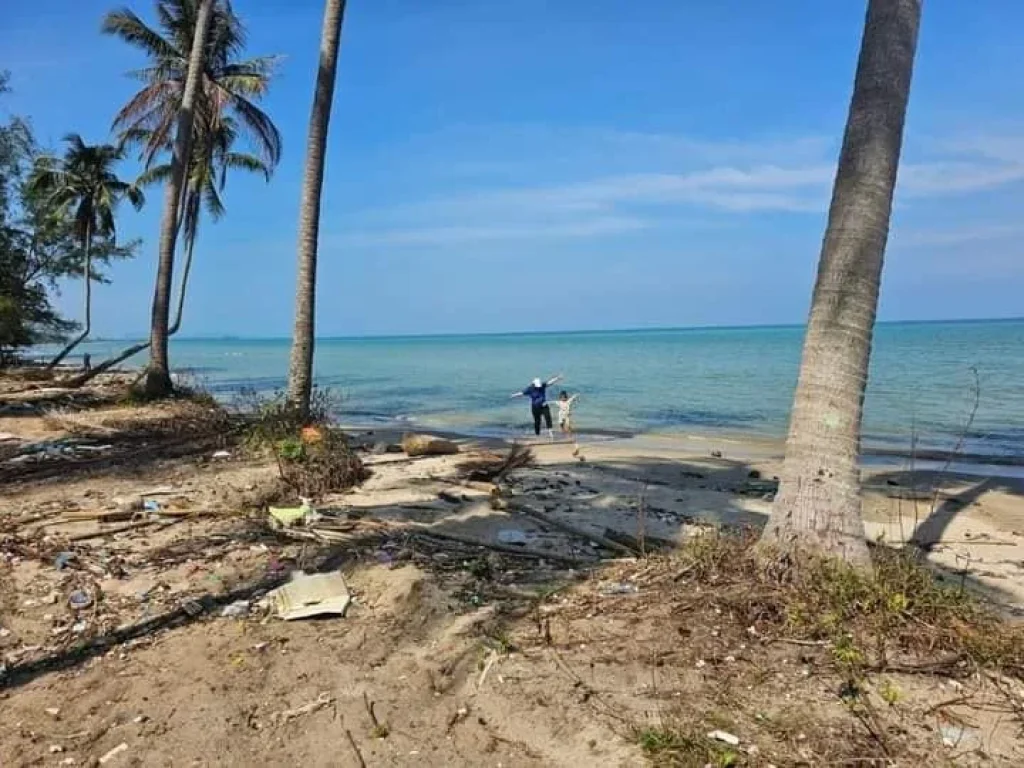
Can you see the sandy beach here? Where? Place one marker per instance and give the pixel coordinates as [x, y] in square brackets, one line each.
[449, 584]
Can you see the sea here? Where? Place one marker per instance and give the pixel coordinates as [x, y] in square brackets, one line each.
[936, 386]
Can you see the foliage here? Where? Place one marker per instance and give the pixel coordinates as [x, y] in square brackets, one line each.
[673, 744]
[877, 619]
[318, 461]
[226, 109]
[83, 185]
[39, 246]
[273, 419]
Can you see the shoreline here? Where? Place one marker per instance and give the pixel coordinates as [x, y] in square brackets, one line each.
[750, 446]
[877, 453]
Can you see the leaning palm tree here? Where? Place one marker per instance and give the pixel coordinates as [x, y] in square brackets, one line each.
[84, 184]
[213, 157]
[300, 370]
[208, 34]
[818, 505]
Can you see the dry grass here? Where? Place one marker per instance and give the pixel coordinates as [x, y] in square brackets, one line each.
[864, 636]
[897, 615]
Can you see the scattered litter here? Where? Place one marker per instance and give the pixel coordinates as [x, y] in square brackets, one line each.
[4, 632]
[52, 711]
[151, 505]
[512, 536]
[620, 588]
[310, 595]
[79, 600]
[221, 455]
[237, 610]
[56, 749]
[79, 627]
[289, 714]
[192, 607]
[954, 735]
[139, 719]
[122, 747]
[285, 517]
[725, 737]
[63, 560]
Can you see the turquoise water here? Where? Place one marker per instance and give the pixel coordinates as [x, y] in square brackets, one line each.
[736, 380]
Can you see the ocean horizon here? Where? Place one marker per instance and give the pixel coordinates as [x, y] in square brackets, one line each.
[737, 381]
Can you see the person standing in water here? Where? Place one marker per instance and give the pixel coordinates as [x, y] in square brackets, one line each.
[565, 422]
[538, 394]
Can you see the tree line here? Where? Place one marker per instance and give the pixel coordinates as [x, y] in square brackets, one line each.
[197, 97]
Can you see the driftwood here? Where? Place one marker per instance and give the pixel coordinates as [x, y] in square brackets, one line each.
[643, 546]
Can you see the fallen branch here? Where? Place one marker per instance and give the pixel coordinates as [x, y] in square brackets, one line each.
[605, 542]
[352, 743]
[320, 702]
[117, 529]
[572, 562]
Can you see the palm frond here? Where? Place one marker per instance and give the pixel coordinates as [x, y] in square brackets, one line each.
[125, 24]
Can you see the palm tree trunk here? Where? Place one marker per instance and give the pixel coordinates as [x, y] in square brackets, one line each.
[300, 371]
[190, 243]
[106, 365]
[87, 251]
[158, 373]
[818, 505]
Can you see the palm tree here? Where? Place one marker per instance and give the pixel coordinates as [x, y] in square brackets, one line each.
[213, 155]
[207, 33]
[300, 370]
[818, 505]
[84, 184]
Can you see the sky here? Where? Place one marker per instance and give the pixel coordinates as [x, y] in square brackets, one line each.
[523, 166]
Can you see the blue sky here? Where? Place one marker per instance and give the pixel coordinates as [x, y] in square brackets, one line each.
[536, 165]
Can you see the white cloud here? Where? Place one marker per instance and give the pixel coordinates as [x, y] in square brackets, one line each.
[671, 173]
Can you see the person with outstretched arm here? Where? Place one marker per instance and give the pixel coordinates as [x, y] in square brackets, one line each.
[538, 394]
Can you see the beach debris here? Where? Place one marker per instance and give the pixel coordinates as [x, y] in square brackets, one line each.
[565, 527]
[311, 435]
[449, 497]
[725, 737]
[56, 749]
[79, 600]
[63, 560]
[378, 449]
[620, 588]
[52, 711]
[285, 517]
[236, 610]
[221, 454]
[512, 536]
[307, 595]
[122, 747]
[956, 735]
[321, 701]
[640, 547]
[151, 505]
[716, 454]
[428, 445]
[192, 607]
[491, 467]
